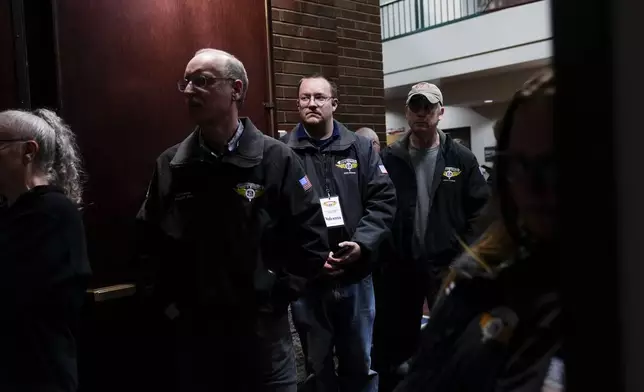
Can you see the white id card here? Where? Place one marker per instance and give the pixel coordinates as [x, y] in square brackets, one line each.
[555, 379]
[332, 211]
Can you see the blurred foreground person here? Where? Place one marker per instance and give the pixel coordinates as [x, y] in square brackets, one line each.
[497, 323]
[44, 268]
[232, 231]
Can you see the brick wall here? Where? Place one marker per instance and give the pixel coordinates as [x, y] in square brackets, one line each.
[339, 38]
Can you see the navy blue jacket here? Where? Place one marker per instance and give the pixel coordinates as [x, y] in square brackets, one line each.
[347, 166]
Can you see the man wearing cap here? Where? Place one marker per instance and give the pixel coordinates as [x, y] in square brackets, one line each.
[440, 192]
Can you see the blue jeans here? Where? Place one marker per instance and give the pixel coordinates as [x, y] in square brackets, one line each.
[341, 318]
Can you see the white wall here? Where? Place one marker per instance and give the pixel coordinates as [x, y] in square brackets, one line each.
[497, 39]
[473, 91]
[482, 132]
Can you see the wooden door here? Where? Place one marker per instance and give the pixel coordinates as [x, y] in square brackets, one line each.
[8, 81]
[118, 63]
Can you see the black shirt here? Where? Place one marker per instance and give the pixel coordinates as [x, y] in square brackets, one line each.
[43, 280]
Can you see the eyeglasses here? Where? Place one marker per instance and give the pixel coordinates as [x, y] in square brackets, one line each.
[319, 100]
[7, 142]
[14, 140]
[198, 81]
[540, 171]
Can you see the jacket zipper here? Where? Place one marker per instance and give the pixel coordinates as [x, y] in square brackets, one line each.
[322, 157]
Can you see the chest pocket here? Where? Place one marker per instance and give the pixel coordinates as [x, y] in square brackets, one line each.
[251, 207]
[452, 174]
[244, 200]
[346, 165]
[204, 202]
[183, 204]
[347, 173]
[449, 194]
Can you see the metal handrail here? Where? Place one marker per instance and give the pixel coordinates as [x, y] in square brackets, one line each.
[404, 17]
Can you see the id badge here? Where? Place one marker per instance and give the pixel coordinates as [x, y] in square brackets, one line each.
[555, 379]
[332, 211]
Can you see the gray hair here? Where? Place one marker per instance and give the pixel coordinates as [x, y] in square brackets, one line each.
[58, 157]
[368, 133]
[233, 69]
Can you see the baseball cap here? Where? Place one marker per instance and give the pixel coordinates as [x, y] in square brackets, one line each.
[428, 90]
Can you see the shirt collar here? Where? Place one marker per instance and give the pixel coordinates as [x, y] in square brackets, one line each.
[302, 134]
[232, 144]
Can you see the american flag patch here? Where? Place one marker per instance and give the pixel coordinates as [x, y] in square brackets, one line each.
[306, 184]
[383, 170]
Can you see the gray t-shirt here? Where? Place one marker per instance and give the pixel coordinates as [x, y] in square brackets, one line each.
[424, 163]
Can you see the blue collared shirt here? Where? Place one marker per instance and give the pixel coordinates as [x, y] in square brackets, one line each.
[321, 143]
[232, 144]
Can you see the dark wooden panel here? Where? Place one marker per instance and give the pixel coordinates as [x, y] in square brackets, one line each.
[8, 86]
[40, 55]
[119, 61]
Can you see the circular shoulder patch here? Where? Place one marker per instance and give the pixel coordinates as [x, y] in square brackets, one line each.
[498, 325]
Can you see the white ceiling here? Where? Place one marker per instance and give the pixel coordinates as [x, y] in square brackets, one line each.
[472, 90]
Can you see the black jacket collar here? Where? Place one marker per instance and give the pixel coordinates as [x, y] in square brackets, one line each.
[248, 153]
[37, 192]
[401, 147]
[346, 140]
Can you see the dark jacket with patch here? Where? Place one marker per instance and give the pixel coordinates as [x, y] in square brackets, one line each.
[45, 272]
[492, 330]
[216, 232]
[348, 167]
[459, 193]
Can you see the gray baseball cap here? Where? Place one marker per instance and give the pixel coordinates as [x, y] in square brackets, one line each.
[427, 90]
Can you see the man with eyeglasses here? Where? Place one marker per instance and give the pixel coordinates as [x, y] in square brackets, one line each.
[232, 230]
[371, 135]
[440, 192]
[358, 202]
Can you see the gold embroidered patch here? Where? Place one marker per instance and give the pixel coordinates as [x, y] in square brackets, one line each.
[249, 190]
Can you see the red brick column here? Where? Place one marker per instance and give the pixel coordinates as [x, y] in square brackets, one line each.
[339, 38]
